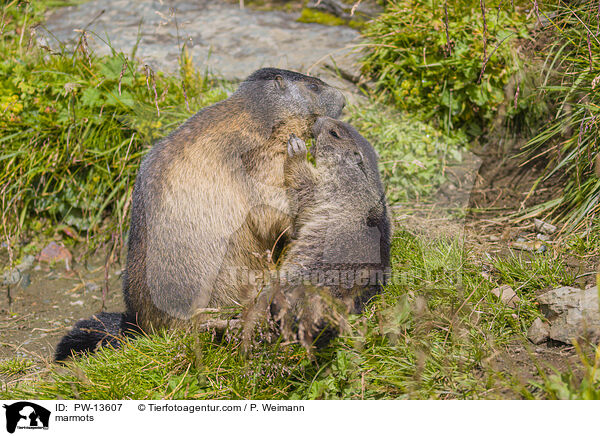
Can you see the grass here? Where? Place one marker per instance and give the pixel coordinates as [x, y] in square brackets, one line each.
[13, 367]
[75, 127]
[570, 140]
[429, 335]
[449, 62]
[532, 273]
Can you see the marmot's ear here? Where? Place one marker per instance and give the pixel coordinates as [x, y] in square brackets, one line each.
[279, 82]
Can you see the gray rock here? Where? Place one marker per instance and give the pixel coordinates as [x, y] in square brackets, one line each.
[544, 227]
[25, 281]
[364, 9]
[539, 331]
[222, 38]
[573, 313]
[11, 277]
[542, 237]
[92, 287]
[507, 295]
[26, 263]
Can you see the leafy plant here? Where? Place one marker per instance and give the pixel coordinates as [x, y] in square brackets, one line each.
[75, 125]
[571, 140]
[446, 60]
[412, 154]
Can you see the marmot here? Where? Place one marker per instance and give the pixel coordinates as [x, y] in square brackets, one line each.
[209, 200]
[341, 224]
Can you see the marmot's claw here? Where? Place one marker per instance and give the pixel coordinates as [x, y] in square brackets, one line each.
[296, 146]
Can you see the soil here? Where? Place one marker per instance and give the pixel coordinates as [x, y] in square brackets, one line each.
[34, 317]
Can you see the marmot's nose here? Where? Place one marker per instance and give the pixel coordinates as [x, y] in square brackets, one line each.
[344, 100]
[318, 126]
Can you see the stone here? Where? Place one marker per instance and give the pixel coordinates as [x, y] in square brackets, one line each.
[523, 245]
[11, 277]
[542, 237]
[507, 295]
[222, 38]
[92, 287]
[573, 313]
[26, 263]
[539, 331]
[25, 281]
[54, 252]
[353, 10]
[544, 227]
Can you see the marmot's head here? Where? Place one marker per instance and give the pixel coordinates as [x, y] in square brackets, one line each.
[343, 150]
[291, 94]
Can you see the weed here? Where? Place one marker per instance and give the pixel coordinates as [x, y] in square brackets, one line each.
[75, 127]
[15, 366]
[430, 59]
[571, 140]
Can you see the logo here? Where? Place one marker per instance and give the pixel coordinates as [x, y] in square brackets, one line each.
[26, 415]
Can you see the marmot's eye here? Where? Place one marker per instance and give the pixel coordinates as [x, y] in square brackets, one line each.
[313, 87]
[334, 134]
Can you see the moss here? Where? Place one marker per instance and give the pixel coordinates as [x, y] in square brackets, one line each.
[312, 16]
[271, 5]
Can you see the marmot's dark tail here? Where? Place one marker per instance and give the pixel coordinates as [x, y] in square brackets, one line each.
[104, 328]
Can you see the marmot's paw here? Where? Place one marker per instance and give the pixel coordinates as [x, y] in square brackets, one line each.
[296, 146]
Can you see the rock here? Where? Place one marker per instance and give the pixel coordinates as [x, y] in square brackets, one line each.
[494, 238]
[544, 227]
[352, 11]
[536, 246]
[333, 7]
[11, 277]
[222, 38]
[539, 331]
[25, 281]
[92, 287]
[542, 237]
[506, 294]
[26, 263]
[54, 252]
[573, 313]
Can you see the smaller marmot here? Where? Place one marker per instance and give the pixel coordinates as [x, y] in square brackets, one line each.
[341, 224]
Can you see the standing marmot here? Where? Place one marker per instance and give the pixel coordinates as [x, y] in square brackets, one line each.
[341, 231]
[209, 200]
